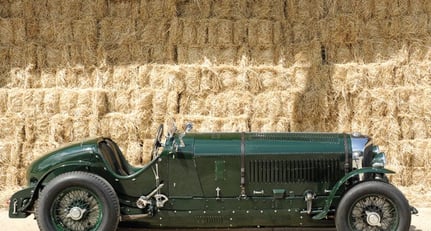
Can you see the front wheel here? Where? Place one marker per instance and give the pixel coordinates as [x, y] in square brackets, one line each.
[373, 206]
[78, 201]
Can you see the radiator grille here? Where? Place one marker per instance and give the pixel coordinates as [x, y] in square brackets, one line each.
[291, 171]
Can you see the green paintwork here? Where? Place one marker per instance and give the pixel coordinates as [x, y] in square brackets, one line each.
[201, 175]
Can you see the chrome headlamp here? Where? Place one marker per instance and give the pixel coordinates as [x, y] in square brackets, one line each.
[379, 158]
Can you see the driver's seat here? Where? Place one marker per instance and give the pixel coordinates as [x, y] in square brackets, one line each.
[113, 156]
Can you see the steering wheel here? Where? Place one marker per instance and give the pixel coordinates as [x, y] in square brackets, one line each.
[157, 142]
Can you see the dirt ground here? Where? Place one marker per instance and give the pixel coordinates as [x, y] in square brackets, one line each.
[421, 222]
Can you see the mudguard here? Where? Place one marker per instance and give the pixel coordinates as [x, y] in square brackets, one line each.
[343, 180]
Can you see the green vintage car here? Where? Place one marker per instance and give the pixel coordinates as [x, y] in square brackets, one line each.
[216, 180]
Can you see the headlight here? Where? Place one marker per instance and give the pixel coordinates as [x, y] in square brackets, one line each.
[379, 160]
[376, 149]
[356, 155]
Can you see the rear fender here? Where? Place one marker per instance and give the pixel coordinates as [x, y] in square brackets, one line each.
[22, 201]
[343, 180]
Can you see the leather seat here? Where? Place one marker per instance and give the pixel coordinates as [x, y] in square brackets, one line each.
[113, 156]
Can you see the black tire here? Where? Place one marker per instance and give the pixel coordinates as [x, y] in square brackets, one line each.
[78, 201]
[373, 205]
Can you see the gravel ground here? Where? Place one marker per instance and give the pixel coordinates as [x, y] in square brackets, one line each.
[421, 222]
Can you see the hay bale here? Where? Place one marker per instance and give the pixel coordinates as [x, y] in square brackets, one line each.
[193, 104]
[119, 101]
[116, 30]
[83, 104]
[157, 9]
[268, 9]
[232, 78]
[261, 33]
[146, 150]
[93, 9]
[51, 102]
[267, 105]
[81, 128]
[102, 76]
[6, 149]
[153, 31]
[159, 104]
[84, 31]
[3, 100]
[187, 31]
[230, 9]
[123, 9]
[134, 152]
[82, 54]
[8, 128]
[5, 10]
[265, 54]
[220, 32]
[100, 104]
[68, 101]
[33, 102]
[235, 124]
[61, 129]
[6, 31]
[55, 31]
[230, 103]
[15, 101]
[141, 100]
[41, 128]
[48, 78]
[193, 80]
[143, 74]
[194, 9]
[263, 125]
[310, 110]
[124, 77]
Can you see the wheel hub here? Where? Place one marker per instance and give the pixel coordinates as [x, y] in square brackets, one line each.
[76, 213]
[373, 219]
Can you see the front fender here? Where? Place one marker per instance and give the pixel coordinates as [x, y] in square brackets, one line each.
[23, 200]
[343, 180]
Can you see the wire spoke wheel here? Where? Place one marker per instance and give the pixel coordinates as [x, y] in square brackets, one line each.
[76, 209]
[78, 201]
[373, 213]
[373, 206]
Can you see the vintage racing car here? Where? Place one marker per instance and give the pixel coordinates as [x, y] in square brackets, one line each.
[216, 180]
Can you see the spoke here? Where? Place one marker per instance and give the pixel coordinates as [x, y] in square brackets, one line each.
[76, 210]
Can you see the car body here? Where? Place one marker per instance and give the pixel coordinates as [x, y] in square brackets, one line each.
[216, 180]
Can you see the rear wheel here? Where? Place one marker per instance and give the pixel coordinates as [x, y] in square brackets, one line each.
[78, 201]
[373, 206]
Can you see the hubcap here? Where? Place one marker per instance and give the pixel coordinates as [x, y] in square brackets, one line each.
[76, 213]
[373, 219]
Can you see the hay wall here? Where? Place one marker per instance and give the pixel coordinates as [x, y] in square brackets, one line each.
[73, 69]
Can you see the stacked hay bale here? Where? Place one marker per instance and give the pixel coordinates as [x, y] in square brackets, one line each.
[73, 69]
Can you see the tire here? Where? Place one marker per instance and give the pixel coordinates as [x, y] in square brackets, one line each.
[373, 205]
[78, 201]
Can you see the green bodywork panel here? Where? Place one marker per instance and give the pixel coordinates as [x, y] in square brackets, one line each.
[215, 179]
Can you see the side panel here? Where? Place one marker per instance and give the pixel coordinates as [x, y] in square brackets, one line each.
[183, 178]
[218, 161]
